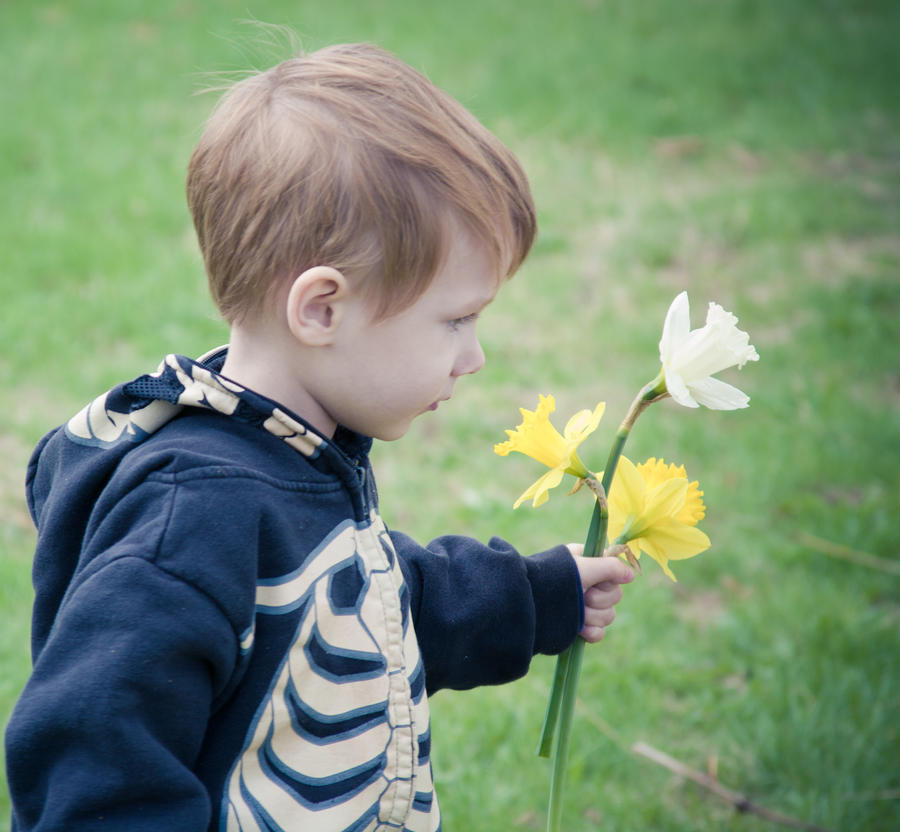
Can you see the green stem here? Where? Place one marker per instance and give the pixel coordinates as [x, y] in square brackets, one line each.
[613, 460]
[561, 752]
[591, 549]
[550, 717]
[565, 707]
[561, 706]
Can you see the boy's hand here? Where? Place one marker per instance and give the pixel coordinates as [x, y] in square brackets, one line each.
[601, 579]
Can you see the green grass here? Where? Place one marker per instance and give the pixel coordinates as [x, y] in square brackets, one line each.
[746, 151]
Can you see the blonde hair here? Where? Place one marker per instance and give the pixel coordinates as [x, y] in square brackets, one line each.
[350, 158]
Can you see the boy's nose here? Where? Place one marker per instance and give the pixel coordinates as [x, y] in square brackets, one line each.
[471, 360]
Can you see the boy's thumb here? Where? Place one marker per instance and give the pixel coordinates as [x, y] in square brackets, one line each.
[604, 570]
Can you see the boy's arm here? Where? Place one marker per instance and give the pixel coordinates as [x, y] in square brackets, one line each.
[481, 612]
[111, 722]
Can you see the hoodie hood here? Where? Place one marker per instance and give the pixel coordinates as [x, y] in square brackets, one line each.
[72, 465]
[131, 412]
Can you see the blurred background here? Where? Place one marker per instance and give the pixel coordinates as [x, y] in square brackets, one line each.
[744, 150]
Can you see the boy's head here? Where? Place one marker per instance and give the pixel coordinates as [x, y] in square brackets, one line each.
[348, 158]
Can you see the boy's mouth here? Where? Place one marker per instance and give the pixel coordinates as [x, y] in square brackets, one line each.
[434, 405]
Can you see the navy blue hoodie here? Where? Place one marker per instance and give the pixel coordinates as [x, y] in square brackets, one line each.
[226, 636]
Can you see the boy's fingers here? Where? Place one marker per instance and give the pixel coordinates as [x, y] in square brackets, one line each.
[601, 579]
[603, 596]
[593, 634]
[595, 627]
[599, 617]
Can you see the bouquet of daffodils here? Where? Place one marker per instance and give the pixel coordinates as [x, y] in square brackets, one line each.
[647, 508]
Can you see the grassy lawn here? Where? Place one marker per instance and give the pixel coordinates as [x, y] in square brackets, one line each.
[744, 150]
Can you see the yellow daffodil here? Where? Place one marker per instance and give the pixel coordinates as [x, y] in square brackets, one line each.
[691, 357]
[538, 438]
[654, 509]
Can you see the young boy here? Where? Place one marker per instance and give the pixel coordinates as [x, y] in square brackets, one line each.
[225, 634]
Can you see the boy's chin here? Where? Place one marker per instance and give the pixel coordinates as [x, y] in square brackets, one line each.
[395, 430]
[391, 433]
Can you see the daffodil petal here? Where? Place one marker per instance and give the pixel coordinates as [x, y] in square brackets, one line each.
[583, 423]
[627, 491]
[661, 548]
[615, 525]
[550, 480]
[625, 500]
[665, 501]
[717, 395]
[676, 540]
[659, 557]
[538, 491]
[676, 327]
[678, 390]
[576, 425]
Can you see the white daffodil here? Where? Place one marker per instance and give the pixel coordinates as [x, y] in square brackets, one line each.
[691, 357]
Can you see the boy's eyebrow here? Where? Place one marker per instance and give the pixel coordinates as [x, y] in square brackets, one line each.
[489, 294]
[475, 305]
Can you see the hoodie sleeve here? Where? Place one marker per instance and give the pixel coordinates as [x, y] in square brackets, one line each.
[112, 719]
[481, 612]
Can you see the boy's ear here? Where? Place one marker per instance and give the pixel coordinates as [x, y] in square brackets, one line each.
[315, 305]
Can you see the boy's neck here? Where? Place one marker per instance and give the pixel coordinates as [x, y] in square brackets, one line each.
[259, 360]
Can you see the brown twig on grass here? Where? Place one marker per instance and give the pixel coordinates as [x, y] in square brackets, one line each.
[838, 550]
[739, 801]
[884, 794]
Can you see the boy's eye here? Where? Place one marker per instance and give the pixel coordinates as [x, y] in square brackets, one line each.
[456, 323]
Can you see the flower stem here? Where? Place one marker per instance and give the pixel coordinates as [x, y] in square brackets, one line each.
[650, 393]
[564, 707]
[549, 727]
[592, 548]
[561, 706]
[561, 752]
